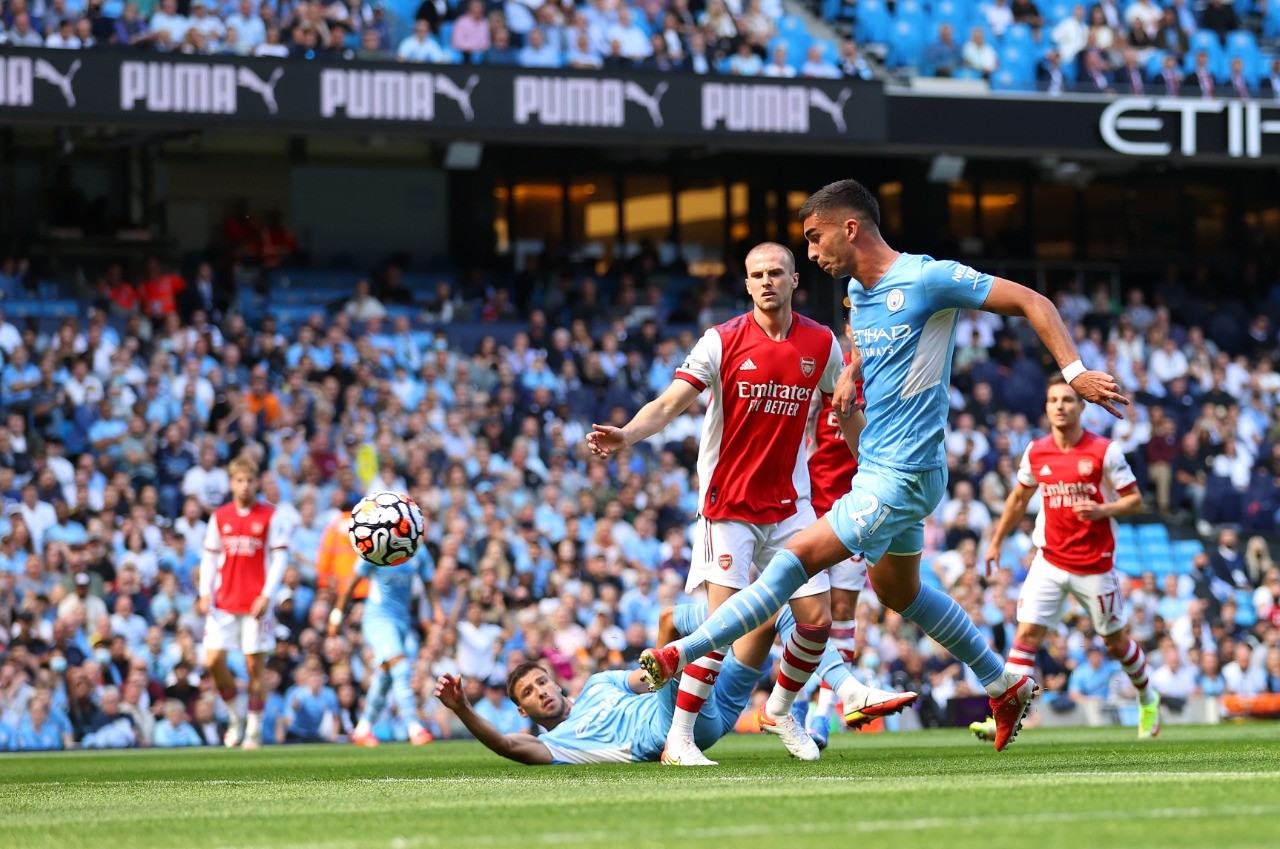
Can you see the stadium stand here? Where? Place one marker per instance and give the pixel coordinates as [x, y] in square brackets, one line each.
[616, 36]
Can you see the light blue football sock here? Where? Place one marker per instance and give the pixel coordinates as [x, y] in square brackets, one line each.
[402, 692]
[377, 698]
[945, 620]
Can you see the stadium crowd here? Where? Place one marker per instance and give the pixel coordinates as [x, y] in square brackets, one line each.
[115, 431]
[1181, 47]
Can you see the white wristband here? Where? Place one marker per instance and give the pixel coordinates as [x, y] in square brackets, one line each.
[335, 617]
[1072, 371]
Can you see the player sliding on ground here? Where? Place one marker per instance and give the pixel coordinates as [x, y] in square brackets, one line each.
[245, 555]
[904, 313]
[616, 719]
[1079, 475]
[763, 370]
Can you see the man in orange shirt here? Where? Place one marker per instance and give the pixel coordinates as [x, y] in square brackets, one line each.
[260, 400]
[336, 560]
[160, 290]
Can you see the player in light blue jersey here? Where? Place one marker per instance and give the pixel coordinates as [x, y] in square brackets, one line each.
[904, 309]
[615, 719]
[388, 628]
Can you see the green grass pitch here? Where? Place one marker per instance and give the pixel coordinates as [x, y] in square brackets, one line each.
[1209, 788]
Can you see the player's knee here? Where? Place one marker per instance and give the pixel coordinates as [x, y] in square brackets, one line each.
[1116, 643]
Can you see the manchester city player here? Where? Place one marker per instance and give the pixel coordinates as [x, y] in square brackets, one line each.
[388, 629]
[616, 719]
[904, 309]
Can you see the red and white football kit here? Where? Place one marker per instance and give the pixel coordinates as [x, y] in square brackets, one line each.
[1073, 556]
[831, 470]
[754, 481]
[245, 554]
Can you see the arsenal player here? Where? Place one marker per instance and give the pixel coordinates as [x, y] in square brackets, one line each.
[244, 559]
[1086, 485]
[762, 369]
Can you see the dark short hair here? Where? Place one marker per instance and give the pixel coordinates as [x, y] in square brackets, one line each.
[843, 195]
[514, 676]
[1056, 379]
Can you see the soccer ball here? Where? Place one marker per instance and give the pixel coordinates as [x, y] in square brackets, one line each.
[386, 528]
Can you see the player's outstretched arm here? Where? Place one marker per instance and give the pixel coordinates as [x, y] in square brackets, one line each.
[1015, 507]
[1009, 298]
[521, 748]
[851, 426]
[606, 440]
[340, 606]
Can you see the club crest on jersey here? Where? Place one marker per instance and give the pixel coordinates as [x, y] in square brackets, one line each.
[1085, 468]
[807, 365]
[226, 529]
[256, 528]
[896, 300]
[726, 562]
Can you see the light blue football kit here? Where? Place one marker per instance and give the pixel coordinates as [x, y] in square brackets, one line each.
[388, 630]
[904, 327]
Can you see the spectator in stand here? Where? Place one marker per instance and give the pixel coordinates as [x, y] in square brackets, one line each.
[1200, 80]
[745, 63]
[1170, 36]
[371, 49]
[537, 53]
[471, 35]
[634, 43]
[582, 55]
[778, 66]
[1238, 84]
[853, 65]
[64, 37]
[421, 46]
[1026, 12]
[1129, 81]
[168, 27]
[22, 33]
[1270, 88]
[1050, 77]
[998, 15]
[978, 55]
[817, 66]
[943, 58]
[249, 27]
[1219, 17]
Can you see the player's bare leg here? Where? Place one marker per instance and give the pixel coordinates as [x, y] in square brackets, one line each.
[800, 658]
[225, 681]
[375, 701]
[256, 665]
[1134, 660]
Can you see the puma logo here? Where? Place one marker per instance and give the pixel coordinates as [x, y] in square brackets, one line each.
[48, 73]
[651, 102]
[264, 89]
[460, 96]
[835, 108]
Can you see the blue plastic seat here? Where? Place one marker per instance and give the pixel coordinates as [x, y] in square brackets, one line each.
[906, 44]
[873, 22]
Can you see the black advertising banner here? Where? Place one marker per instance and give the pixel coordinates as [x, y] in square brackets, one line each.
[1187, 129]
[478, 102]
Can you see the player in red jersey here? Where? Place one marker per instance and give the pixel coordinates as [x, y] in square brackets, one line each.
[244, 559]
[1086, 485]
[831, 469]
[762, 369]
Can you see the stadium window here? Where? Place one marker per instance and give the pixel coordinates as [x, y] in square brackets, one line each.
[1003, 208]
[1055, 221]
[537, 215]
[1210, 205]
[795, 227]
[502, 220]
[891, 208]
[700, 219]
[593, 216]
[646, 210]
[1105, 222]
[739, 212]
[963, 210]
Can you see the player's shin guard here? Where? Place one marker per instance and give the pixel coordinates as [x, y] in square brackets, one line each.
[696, 683]
[1022, 659]
[377, 698]
[747, 610]
[947, 623]
[800, 657]
[1134, 661]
